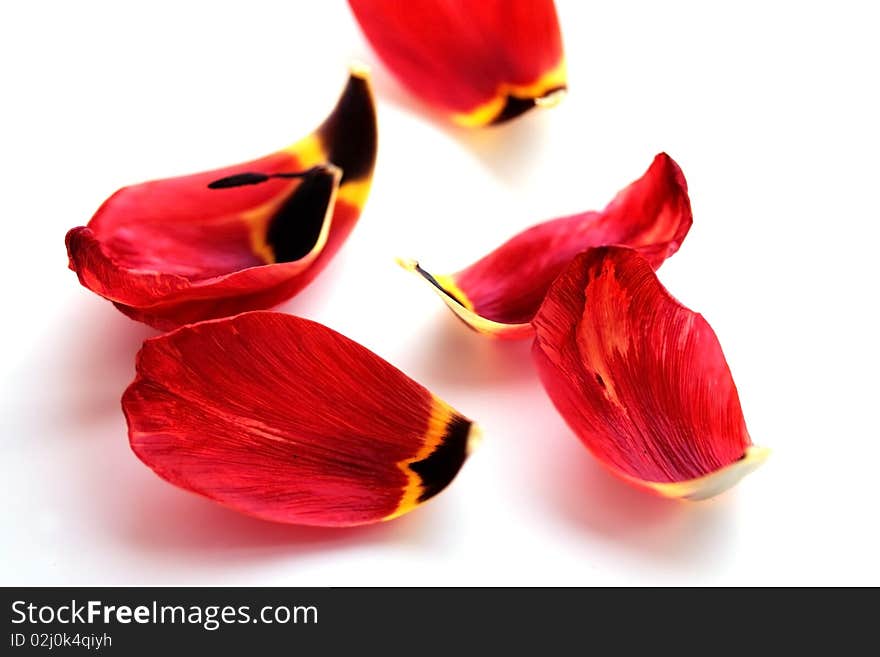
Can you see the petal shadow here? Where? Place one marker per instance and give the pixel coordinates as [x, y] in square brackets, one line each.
[507, 150]
[160, 520]
[92, 363]
[589, 499]
[453, 353]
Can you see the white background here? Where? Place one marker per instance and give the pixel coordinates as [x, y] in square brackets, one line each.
[769, 107]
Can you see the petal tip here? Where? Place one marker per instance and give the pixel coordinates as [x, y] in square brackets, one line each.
[474, 439]
[451, 438]
[359, 69]
[331, 169]
[71, 243]
[552, 99]
[407, 264]
[715, 483]
[458, 302]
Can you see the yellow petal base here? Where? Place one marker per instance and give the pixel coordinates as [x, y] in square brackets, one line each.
[441, 416]
[547, 91]
[702, 488]
[458, 302]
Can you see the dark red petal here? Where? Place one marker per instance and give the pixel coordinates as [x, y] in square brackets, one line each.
[479, 61]
[285, 419]
[501, 293]
[640, 378]
[249, 236]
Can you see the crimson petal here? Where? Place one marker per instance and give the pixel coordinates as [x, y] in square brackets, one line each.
[641, 379]
[478, 61]
[249, 236]
[500, 294]
[284, 419]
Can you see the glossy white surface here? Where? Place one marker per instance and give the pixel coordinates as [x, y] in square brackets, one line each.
[771, 110]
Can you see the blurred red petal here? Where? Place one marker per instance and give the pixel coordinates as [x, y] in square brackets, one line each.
[479, 61]
[285, 419]
[641, 379]
[500, 294]
[249, 236]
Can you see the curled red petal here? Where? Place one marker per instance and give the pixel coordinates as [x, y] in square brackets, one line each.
[212, 244]
[500, 293]
[285, 419]
[478, 61]
[640, 378]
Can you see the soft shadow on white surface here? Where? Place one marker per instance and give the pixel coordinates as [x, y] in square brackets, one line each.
[171, 522]
[590, 500]
[509, 150]
[95, 358]
[453, 353]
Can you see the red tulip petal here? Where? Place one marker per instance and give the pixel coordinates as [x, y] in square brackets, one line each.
[244, 237]
[640, 378]
[287, 420]
[479, 61]
[500, 294]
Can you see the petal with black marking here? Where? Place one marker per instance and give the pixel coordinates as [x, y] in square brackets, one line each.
[285, 419]
[249, 236]
[500, 293]
[479, 62]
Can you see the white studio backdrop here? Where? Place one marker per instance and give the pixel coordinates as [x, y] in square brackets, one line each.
[771, 110]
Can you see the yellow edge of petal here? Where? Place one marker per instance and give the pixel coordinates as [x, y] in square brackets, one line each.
[459, 303]
[545, 91]
[703, 488]
[310, 151]
[438, 421]
[356, 192]
[360, 70]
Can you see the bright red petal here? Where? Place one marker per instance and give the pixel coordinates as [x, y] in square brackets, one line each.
[640, 378]
[284, 419]
[501, 293]
[480, 61]
[249, 236]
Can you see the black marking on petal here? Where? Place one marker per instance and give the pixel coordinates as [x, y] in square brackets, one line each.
[440, 467]
[253, 178]
[349, 133]
[296, 226]
[433, 281]
[514, 106]
[239, 180]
